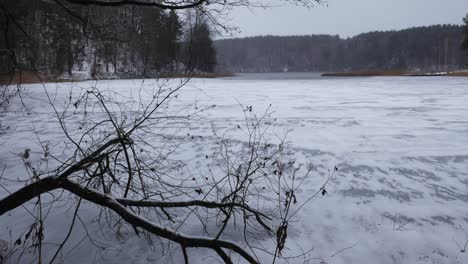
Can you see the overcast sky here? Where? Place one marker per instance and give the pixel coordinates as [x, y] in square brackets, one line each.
[347, 17]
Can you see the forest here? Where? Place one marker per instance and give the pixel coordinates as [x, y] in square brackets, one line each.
[59, 39]
[130, 42]
[432, 48]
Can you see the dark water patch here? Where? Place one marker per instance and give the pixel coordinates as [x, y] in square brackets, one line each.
[444, 219]
[312, 152]
[359, 102]
[387, 183]
[456, 122]
[401, 110]
[433, 223]
[440, 128]
[351, 123]
[440, 159]
[414, 109]
[447, 194]
[398, 257]
[399, 195]
[426, 160]
[322, 122]
[417, 194]
[316, 167]
[398, 220]
[417, 175]
[460, 158]
[368, 193]
[430, 100]
[465, 181]
[437, 220]
[404, 136]
[359, 169]
[346, 168]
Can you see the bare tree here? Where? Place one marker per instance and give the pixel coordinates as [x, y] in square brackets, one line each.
[185, 4]
[117, 156]
[121, 165]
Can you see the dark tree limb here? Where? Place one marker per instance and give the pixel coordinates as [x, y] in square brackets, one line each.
[158, 4]
[223, 255]
[207, 204]
[186, 241]
[48, 184]
[27, 193]
[184, 251]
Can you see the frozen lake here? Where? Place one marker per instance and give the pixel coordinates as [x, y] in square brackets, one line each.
[400, 143]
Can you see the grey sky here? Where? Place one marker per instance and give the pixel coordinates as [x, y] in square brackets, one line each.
[348, 17]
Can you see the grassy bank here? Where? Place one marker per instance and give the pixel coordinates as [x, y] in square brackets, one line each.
[368, 73]
[26, 77]
[459, 73]
[372, 73]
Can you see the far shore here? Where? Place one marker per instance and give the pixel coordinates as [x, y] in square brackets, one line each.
[372, 73]
[29, 77]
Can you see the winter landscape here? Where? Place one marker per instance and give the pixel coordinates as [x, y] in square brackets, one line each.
[145, 140]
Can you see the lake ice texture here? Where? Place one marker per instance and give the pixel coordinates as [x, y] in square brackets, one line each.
[400, 143]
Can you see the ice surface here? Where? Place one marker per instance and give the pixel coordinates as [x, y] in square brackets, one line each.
[400, 143]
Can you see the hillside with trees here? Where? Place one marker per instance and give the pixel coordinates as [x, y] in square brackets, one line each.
[433, 48]
[102, 41]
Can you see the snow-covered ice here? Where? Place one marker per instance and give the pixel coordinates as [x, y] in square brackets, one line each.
[400, 143]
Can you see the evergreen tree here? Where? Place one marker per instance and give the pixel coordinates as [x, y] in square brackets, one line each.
[465, 40]
[201, 51]
[172, 33]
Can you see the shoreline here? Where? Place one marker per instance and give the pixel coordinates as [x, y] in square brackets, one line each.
[395, 73]
[30, 77]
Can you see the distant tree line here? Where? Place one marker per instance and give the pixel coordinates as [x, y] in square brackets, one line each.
[58, 39]
[434, 48]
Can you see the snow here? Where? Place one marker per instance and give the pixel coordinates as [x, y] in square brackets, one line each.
[400, 143]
